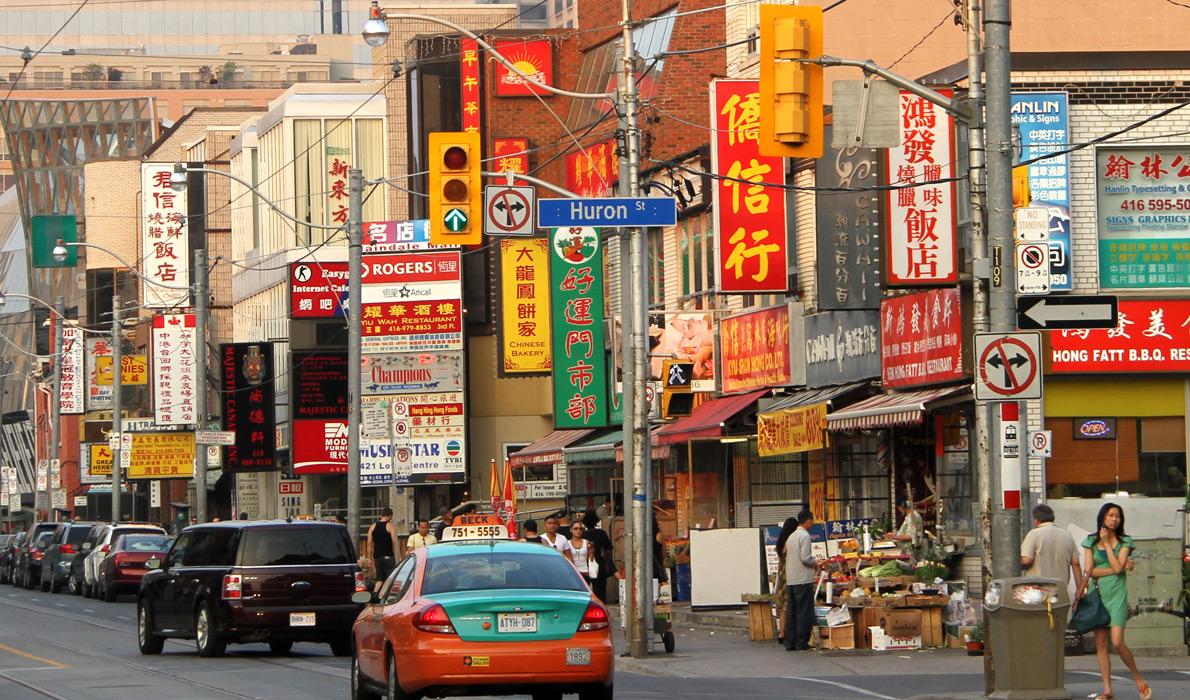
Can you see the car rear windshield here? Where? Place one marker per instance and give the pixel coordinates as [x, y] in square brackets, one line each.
[43, 539]
[499, 570]
[295, 546]
[76, 535]
[146, 543]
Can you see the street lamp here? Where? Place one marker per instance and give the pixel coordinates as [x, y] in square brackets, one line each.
[375, 29]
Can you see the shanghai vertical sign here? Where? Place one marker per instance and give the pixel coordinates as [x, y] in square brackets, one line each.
[577, 317]
[249, 405]
[525, 306]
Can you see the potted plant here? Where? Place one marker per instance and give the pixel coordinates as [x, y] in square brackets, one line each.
[928, 570]
[975, 641]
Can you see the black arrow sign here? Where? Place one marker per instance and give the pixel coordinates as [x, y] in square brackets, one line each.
[1066, 312]
[510, 211]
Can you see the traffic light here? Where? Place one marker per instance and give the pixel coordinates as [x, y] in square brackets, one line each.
[677, 388]
[790, 91]
[456, 188]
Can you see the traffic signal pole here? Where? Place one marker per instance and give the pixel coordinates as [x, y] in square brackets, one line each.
[355, 319]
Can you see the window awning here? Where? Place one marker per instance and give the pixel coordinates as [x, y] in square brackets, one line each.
[594, 449]
[706, 421]
[891, 410]
[547, 450]
[808, 397]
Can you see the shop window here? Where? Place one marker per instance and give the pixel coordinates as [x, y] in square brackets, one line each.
[656, 266]
[956, 490]
[698, 256]
[1144, 456]
[856, 485]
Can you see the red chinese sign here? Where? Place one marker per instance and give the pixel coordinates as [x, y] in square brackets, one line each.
[165, 239]
[176, 385]
[469, 77]
[533, 58]
[317, 289]
[750, 216]
[413, 302]
[512, 156]
[755, 350]
[921, 222]
[921, 338]
[594, 173]
[338, 192]
[1150, 336]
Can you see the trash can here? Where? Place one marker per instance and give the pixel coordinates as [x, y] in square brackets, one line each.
[1027, 634]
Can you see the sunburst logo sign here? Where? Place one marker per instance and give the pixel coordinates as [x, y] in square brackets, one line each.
[535, 59]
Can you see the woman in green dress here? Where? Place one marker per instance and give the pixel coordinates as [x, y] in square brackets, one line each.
[1105, 561]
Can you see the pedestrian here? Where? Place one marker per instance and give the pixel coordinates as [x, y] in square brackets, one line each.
[421, 538]
[381, 545]
[912, 533]
[243, 515]
[799, 585]
[780, 595]
[529, 528]
[216, 519]
[193, 520]
[1106, 562]
[605, 558]
[604, 512]
[1049, 551]
[582, 554]
[659, 572]
[552, 537]
[445, 518]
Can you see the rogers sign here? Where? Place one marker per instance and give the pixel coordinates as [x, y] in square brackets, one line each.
[317, 289]
[412, 267]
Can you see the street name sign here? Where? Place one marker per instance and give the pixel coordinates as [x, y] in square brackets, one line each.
[508, 211]
[1007, 366]
[1066, 312]
[607, 212]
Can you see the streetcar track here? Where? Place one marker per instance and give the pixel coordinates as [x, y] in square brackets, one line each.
[30, 686]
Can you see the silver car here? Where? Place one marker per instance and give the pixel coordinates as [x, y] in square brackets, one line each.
[99, 543]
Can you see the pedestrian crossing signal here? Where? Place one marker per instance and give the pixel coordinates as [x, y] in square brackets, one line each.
[677, 383]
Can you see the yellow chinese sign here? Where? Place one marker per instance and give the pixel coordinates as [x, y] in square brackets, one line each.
[161, 456]
[134, 369]
[525, 306]
[792, 430]
[101, 461]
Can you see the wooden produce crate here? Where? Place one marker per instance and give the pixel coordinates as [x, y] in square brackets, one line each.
[838, 637]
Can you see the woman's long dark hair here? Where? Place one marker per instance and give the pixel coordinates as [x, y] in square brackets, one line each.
[1103, 515]
[787, 529]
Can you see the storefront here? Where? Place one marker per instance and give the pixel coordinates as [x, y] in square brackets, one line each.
[594, 474]
[540, 472]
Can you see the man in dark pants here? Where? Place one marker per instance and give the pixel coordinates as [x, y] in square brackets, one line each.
[800, 568]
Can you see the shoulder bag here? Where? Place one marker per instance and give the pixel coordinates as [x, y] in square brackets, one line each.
[1090, 613]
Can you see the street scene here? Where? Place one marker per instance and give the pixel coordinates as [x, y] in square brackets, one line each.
[564, 348]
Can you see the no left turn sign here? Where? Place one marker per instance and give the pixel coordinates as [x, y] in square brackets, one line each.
[1008, 366]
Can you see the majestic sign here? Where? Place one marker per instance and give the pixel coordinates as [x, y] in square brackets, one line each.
[134, 370]
[921, 338]
[1042, 119]
[847, 228]
[317, 289]
[319, 384]
[469, 70]
[175, 377]
[99, 397]
[249, 405]
[413, 373]
[755, 350]
[1143, 216]
[799, 429]
[534, 58]
[921, 244]
[594, 171]
[72, 400]
[751, 244]
[165, 239]
[577, 323]
[842, 346]
[412, 302]
[1150, 336]
[525, 307]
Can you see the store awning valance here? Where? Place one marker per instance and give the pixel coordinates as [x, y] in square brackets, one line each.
[706, 421]
[594, 449]
[547, 450]
[891, 410]
[808, 397]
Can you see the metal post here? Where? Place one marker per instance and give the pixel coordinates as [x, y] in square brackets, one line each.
[201, 301]
[55, 406]
[628, 400]
[355, 217]
[117, 393]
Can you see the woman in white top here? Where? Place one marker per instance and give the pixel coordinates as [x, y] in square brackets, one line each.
[581, 552]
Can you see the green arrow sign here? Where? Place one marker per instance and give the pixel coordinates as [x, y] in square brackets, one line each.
[455, 220]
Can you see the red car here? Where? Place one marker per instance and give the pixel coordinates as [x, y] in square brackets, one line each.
[124, 566]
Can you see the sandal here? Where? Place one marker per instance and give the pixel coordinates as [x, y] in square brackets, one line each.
[1147, 693]
[1101, 696]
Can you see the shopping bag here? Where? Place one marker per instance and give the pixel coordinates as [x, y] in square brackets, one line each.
[1090, 614]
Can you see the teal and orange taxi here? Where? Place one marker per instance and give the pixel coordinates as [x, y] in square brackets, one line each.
[477, 615]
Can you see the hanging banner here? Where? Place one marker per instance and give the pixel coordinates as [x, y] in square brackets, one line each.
[525, 307]
[1150, 336]
[161, 456]
[921, 338]
[99, 398]
[1042, 120]
[756, 350]
[413, 372]
[577, 317]
[337, 192]
[165, 240]
[469, 80]
[534, 58]
[921, 224]
[847, 228]
[792, 430]
[134, 370]
[595, 172]
[249, 405]
[175, 374]
[72, 400]
[512, 156]
[413, 302]
[751, 244]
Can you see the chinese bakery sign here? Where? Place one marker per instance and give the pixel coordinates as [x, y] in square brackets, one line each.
[525, 306]
[165, 239]
[921, 338]
[175, 380]
[577, 319]
[1150, 336]
[751, 243]
[921, 223]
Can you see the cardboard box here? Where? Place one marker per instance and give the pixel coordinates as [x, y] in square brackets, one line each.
[863, 618]
[901, 623]
[885, 642]
[837, 617]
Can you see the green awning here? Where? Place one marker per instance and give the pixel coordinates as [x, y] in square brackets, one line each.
[594, 449]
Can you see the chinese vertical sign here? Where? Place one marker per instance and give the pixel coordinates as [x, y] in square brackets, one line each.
[249, 408]
[525, 306]
[750, 216]
[594, 173]
[175, 381]
[1143, 196]
[165, 239]
[338, 194]
[577, 314]
[922, 237]
[1150, 336]
[848, 228]
[99, 397]
[469, 78]
[921, 338]
[71, 400]
[1042, 119]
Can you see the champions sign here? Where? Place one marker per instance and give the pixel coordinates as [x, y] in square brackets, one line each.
[792, 430]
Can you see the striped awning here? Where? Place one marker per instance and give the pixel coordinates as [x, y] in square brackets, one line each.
[806, 397]
[891, 410]
[548, 449]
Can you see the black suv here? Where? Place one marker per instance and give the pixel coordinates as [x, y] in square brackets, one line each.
[63, 548]
[277, 582]
[29, 556]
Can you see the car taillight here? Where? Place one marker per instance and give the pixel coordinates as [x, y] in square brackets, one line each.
[105, 549]
[232, 587]
[37, 554]
[119, 559]
[360, 583]
[433, 619]
[594, 619]
[66, 549]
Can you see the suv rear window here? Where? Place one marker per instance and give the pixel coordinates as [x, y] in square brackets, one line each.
[76, 535]
[295, 546]
[499, 570]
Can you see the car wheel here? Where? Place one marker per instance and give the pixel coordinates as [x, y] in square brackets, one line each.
[148, 642]
[280, 648]
[44, 585]
[205, 638]
[88, 590]
[109, 594]
[341, 647]
[548, 695]
[596, 692]
[394, 688]
[55, 584]
[359, 689]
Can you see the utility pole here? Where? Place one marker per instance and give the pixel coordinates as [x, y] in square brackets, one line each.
[117, 393]
[55, 406]
[201, 300]
[355, 316]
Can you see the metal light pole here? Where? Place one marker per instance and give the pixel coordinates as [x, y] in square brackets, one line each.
[355, 318]
[117, 394]
[55, 406]
[201, 300]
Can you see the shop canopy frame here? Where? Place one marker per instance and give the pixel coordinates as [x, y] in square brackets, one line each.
[547, 449]
[895, 410]
[707, 420]
[810, 397]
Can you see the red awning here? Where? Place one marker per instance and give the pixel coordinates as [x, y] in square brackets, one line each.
[706, 421]
[547, 450]
[890, 410]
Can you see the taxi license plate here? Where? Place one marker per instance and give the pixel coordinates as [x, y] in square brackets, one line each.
[578, 657]
[516, 622]
[301, 619]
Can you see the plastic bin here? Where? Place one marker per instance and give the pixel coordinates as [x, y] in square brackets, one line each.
[1027, 636]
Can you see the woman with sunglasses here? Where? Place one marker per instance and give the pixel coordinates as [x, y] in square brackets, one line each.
[581, 552]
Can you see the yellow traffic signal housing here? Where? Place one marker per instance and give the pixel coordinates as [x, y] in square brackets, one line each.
[456, 188]
[677, 388]
[790, 91]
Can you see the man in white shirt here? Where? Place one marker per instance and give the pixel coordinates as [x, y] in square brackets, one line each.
[800, 570]
[421, 538]
[1048, 550]
[553, 538]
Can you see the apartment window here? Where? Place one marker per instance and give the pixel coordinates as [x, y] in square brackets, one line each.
[157, 78]
[254, 160]
[657, 266]
[752, 25]
[698, 256]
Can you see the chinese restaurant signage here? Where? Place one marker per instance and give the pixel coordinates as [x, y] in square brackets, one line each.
[175, 375]
[577, 318]
[921, 338]
[1042, 119]
[750, 217]
[534, 58]
[525, 306]
[799, 429]
[165, 240]
[469, 79]
[848, 228]
[921, 222]
[595, 172]
[412, 302]
[756, 350]
[249, 410]
[842, 346]
[72, 399]
[1150, 336]
[319, 384]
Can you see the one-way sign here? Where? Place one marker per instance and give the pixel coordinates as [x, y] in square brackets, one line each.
[1066, 312]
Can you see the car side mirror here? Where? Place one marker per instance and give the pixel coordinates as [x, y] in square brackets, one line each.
[86, 546]
[152, 563]
[363, 597]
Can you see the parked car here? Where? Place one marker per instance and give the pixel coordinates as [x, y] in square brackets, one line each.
[74, 578]
[28, 565]
[6, 544]
[123, 568]
[98, 544]
[62, 549]
[252, 581]
[8, 561]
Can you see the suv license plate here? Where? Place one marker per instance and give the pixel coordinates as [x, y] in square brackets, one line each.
[516, 622]
[301, 619]
[578, 657]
